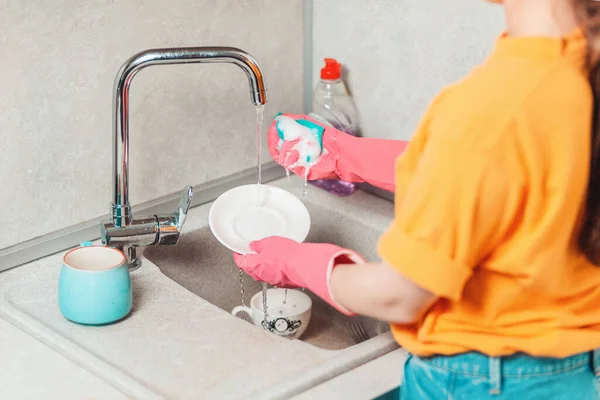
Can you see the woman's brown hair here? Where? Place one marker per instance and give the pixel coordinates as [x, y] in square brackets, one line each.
[589, 239]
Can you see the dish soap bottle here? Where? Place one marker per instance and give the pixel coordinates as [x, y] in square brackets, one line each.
[332, 105]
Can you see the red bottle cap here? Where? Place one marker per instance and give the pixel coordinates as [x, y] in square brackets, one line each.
[332, 69]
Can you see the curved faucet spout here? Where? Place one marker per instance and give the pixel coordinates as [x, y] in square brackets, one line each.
[121, 216]
[121, 209]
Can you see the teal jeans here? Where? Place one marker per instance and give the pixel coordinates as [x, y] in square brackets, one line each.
[476, 376]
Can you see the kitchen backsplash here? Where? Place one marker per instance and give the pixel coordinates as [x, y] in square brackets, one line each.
[189, 124]
[195, 123]
[400, 53]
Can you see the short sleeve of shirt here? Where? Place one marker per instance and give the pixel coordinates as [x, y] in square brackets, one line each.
[459, 202]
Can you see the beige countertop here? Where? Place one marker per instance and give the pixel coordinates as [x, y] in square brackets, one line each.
[368, 381]
[31, 370]
[173, 345]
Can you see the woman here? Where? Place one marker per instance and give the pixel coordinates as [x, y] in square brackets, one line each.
[488, 274]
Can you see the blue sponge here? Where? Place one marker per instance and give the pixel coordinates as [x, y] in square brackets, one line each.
[316, 129]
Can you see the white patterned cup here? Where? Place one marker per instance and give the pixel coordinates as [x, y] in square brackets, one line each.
[288, 315]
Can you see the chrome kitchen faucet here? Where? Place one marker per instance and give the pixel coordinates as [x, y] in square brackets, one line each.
[123, 231]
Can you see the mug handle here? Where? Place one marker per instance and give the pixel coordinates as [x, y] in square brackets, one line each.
[242, 309]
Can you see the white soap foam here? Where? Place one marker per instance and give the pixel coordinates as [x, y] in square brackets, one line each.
[308, 147]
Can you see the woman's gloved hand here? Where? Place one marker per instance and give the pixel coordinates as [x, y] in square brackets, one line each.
[285, 154]
[286, 263]
[344, 157]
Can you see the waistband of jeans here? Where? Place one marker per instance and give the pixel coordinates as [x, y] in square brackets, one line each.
[517, 365]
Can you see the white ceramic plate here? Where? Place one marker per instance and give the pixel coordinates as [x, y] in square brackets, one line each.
[236, 220]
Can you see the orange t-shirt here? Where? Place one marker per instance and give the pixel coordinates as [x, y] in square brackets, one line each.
[490, 198]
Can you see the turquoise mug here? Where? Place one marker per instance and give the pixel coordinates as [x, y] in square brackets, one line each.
[94, 287]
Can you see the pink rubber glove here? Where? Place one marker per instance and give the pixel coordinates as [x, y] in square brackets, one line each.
[349, 158]
[286, 263]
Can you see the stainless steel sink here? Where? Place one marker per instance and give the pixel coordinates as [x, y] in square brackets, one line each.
[205, 267]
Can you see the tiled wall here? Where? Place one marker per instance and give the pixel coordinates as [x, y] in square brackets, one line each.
[189, 124]
[400, 53]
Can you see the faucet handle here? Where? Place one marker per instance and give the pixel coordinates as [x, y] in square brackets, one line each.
[184, 205]
[169, 226]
